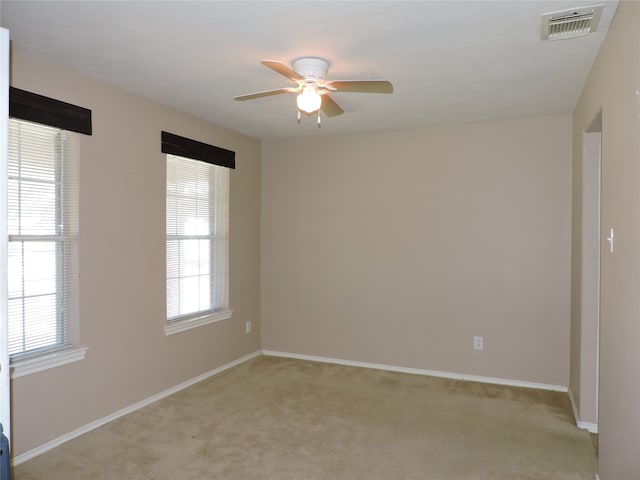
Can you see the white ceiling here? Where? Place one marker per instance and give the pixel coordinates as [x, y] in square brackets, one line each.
[449, 61]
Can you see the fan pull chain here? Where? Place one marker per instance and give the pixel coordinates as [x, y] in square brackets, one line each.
[319, 119]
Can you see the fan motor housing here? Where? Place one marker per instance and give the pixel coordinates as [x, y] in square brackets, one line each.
[314, 68]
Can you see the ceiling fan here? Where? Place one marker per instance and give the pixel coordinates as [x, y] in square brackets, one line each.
[312, 87]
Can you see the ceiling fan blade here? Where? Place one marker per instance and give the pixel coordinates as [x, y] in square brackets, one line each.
[364, 86]
[330, 107]
[266, 93]
[282, 69]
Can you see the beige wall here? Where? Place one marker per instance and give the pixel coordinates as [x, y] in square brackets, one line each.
[399, 247]
[122, 263]
[613, 87]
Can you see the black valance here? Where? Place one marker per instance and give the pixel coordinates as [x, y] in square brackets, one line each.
[48, 111]
[185, 147]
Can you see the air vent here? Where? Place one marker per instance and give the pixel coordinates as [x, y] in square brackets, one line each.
[576, 22]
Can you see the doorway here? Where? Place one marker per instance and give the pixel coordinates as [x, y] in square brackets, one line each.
[590, 281]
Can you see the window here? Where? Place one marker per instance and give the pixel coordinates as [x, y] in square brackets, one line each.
[42, 244]
[197, 222]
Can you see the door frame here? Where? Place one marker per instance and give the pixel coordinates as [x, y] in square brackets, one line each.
[5, 374]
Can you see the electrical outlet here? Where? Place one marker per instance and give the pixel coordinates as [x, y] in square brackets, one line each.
[478, 343]
[247, 327]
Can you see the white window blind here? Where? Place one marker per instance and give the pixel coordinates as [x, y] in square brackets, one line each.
[42, 227]
[197, 219]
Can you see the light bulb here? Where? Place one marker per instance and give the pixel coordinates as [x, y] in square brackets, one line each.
[309, 100]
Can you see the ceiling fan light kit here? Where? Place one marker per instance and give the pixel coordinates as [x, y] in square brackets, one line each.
[309, 100]
[312, 88]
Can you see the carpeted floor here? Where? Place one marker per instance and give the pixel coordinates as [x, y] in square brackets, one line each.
[282, 419]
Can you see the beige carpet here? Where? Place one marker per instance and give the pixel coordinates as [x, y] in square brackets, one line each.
[282, 419]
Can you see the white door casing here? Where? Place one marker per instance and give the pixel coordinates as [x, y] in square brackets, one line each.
[5, 397]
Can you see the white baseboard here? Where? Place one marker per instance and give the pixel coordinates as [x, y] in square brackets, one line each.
[420, 371]
[143, 403]
[589, 426]
[17, 460]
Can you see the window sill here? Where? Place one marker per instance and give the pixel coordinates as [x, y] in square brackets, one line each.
[183, 325]
[46, 361]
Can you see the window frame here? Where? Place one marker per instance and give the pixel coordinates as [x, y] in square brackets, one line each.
[40, 109]
[185, 147]
[218, 237]
[63, 208]
[60, 208]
